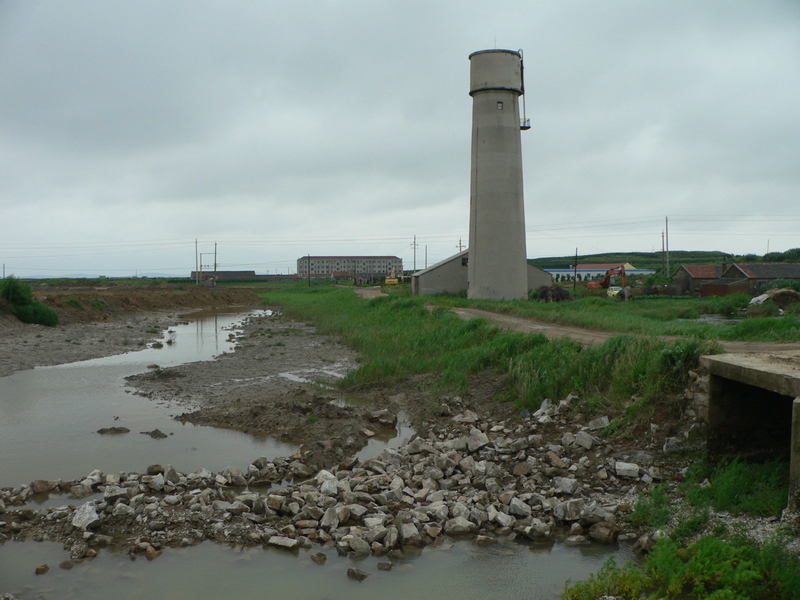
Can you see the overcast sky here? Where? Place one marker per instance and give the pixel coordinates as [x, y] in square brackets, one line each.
[278, 129]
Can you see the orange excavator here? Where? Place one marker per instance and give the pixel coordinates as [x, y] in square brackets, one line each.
[606, 281]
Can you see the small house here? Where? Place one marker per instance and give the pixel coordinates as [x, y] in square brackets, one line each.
[690, 278]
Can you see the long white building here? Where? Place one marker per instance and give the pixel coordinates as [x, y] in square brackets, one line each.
[331, 266]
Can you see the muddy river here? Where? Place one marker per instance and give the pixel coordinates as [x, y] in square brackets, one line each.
[49, 418]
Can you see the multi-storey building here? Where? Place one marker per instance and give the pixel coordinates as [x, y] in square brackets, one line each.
[349, 266]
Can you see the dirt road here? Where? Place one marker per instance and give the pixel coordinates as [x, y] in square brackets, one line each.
[588, 336]
[584, 336]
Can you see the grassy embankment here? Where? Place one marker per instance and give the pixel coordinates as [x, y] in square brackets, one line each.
[396, 336]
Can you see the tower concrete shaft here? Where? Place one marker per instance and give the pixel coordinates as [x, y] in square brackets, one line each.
[497, 267]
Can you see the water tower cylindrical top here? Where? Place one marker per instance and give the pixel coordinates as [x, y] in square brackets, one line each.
[495, 70]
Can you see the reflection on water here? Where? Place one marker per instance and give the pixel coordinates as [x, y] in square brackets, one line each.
[715, 320]
[462, 571]
[49, 416]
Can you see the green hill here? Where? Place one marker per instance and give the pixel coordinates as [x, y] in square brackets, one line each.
[655, 260]
[640, 260]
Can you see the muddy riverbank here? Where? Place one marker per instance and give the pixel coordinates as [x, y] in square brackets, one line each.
[97, 322]
[477, 468]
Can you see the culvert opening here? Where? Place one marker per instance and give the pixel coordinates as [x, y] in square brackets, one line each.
[749, 420]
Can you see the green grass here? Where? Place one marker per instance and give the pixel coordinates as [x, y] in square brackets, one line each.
[74, 302]
[739, 487]
[397, 336]
[719, 566]
[657, 316]
[621, 368]
[710, 569]
[652, 510]
[98, 304]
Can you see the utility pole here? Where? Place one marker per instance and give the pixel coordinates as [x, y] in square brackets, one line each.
[663, 253]
[215, 264]
[575, 273]
[460, 247]
[667, 231]
[196, 268]
[414, 246]
[308, 260]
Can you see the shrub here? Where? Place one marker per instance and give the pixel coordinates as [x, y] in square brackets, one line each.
[793, 284]
[20, 296]
[16, 292]
[37, 313]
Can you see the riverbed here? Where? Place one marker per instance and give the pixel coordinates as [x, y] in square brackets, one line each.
[49, 418]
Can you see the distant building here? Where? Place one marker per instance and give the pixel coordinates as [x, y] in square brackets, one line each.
[758, 274]
[356, 267]
[738, 278]
[237, 276]
[690, 278]
[450, 276]
[593, 272]
[723, 287]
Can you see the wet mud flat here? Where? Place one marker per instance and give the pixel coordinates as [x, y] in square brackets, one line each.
[280, 381]
[28, 346]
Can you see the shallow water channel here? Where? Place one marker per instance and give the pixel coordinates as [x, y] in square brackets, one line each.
[49, 417]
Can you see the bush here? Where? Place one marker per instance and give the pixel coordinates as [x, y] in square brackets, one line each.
[20, 296]
[37, 313]
[16, 292]
[725, 305]
[792, 284]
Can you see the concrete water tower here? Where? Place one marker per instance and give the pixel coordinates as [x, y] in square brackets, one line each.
[497, 267]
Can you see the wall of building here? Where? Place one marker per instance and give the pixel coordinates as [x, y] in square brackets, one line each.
[445, 277]
[538, 277]
[450, 276]
[720, 287]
